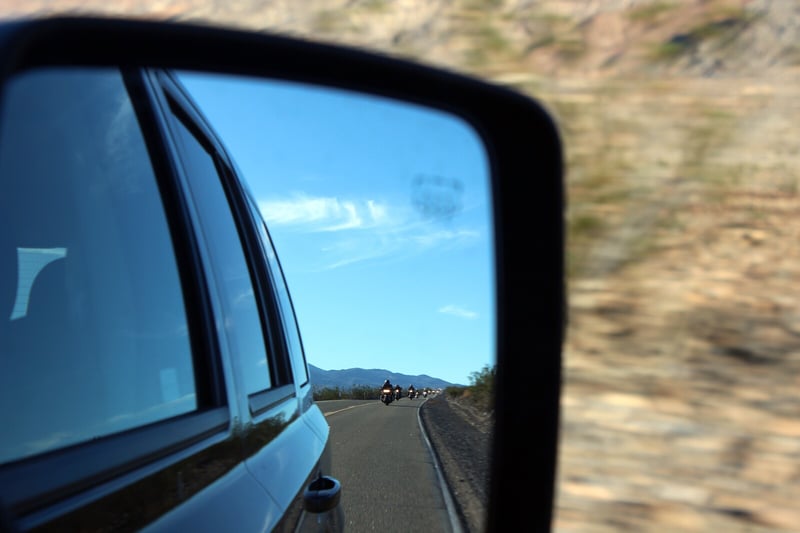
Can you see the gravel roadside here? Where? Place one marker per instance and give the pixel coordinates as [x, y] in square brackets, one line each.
[461, 439]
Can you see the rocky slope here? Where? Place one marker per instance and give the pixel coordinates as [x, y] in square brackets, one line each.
[680, 121]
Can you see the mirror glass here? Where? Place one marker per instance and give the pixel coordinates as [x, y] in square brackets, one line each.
[380, 213]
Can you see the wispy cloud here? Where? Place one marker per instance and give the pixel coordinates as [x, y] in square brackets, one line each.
[360, 230]
[437, 237]
[322, 213]
[376, 211]
[460, 312]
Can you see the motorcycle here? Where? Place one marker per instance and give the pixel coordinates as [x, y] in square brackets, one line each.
[398, 393]
[387, 396]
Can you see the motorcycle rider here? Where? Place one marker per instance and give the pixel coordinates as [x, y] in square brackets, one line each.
[387, 385]
[411, 392]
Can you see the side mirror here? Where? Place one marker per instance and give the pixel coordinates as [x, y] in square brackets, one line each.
[524, 154]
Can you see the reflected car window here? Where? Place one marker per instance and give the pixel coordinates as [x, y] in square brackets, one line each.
[291, 329]
[94, 335]
[243, 319]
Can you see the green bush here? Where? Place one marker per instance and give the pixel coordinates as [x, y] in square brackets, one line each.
[455, 391]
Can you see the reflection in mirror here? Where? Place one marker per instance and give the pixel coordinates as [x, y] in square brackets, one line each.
[89, 346]
[380, 212]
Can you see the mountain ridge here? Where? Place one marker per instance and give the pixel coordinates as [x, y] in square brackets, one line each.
[373, 377]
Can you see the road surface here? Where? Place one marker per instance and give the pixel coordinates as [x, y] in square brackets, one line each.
[372, 443]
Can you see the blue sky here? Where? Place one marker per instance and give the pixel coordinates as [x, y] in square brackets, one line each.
[381, 216]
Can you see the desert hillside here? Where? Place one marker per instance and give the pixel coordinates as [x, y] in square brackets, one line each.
[680, 121]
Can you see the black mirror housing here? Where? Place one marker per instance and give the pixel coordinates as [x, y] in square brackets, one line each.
[525, 155]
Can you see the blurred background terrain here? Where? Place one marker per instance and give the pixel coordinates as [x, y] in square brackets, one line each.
[679, 118]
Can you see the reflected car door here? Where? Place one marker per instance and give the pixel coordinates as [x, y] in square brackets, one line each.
[284, 434]
[135, 402]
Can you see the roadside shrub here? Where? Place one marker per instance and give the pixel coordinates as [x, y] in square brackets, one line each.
[356, 392]
[328, 393]
[454, 391]
[482, 388]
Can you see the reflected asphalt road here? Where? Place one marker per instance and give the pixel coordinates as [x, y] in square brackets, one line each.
[388, 475]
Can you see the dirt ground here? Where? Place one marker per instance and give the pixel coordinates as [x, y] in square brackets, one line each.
[461, 441]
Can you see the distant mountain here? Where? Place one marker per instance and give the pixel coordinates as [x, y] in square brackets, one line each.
[350, 377]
